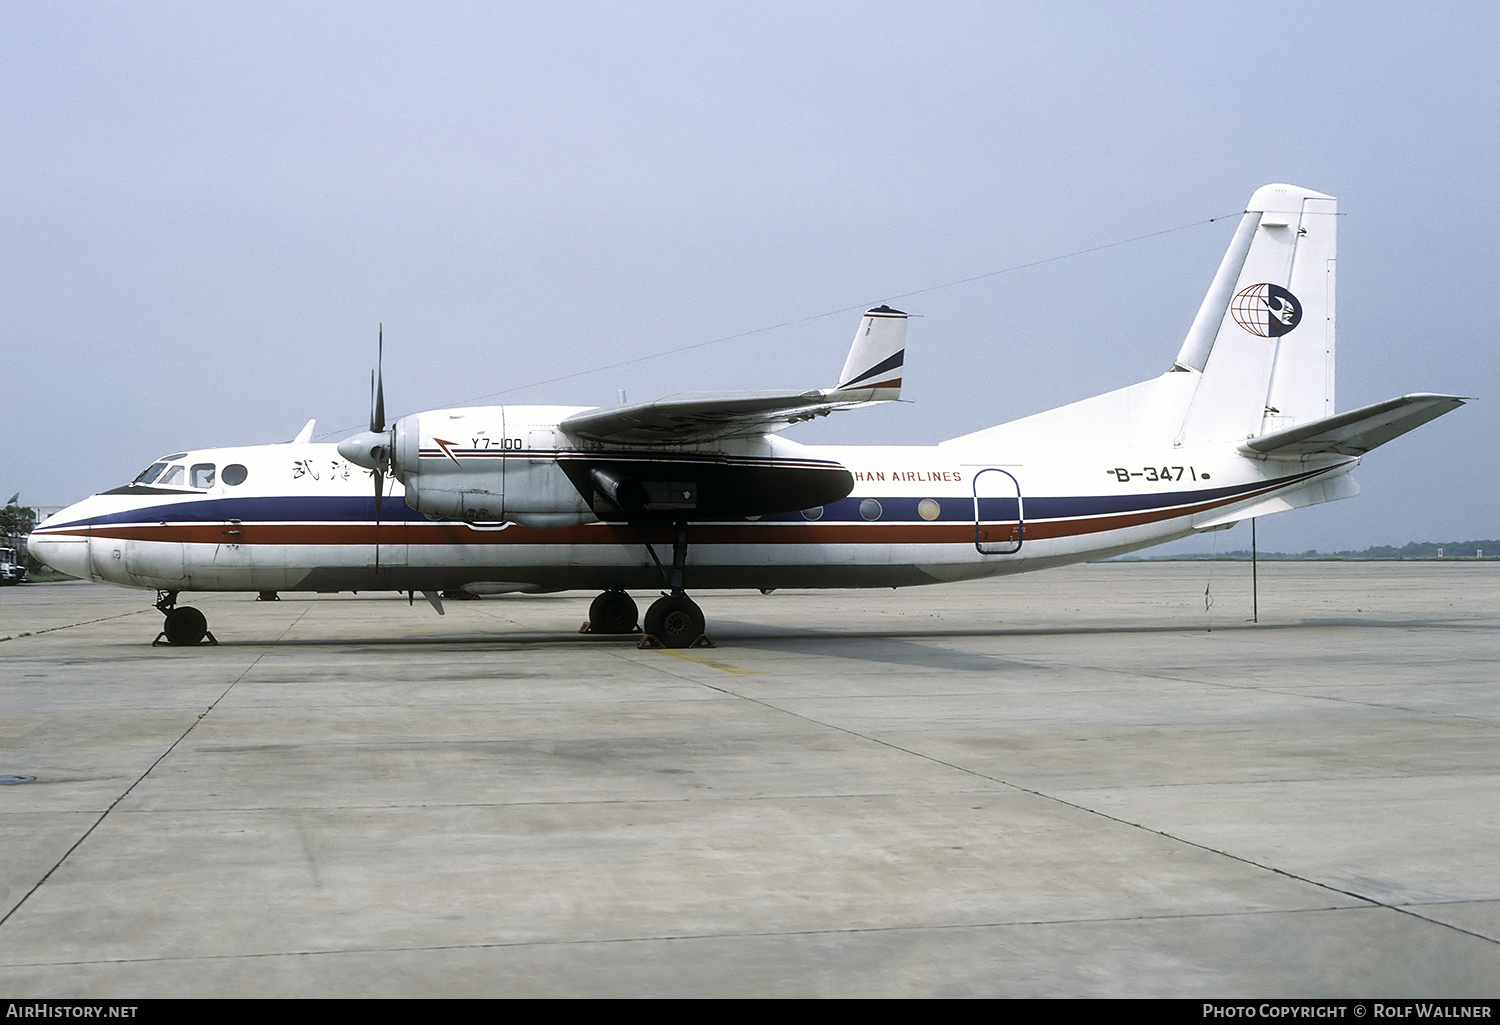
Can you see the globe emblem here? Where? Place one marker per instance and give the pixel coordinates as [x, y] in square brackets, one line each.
[1266, 310]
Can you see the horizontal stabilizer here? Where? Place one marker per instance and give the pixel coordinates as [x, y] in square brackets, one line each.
[1353, 433]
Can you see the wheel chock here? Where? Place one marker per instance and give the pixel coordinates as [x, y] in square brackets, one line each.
[651, 641]
[588, 628]
[162, 642]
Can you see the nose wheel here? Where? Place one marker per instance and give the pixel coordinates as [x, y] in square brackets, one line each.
[185, 625]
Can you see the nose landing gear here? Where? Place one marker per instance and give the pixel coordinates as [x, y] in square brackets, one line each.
[184, 625]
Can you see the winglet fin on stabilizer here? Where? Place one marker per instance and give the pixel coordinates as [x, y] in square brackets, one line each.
[872, 373]
[875, 359]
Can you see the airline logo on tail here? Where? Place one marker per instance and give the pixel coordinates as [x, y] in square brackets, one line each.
[1266, 310]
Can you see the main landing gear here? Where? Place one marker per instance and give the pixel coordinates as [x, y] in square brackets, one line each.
[676, 621]
[613, 612]
[184, 625]
[673, 621]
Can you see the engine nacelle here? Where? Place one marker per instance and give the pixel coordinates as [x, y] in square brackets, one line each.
[494, 464]
[488, 464]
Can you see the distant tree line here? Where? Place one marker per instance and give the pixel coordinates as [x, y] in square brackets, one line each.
[1424, 550]
[17, 520]
[1411, 550]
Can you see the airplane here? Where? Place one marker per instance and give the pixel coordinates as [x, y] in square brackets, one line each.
[702, 491]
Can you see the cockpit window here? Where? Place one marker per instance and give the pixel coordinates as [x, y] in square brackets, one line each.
[173, 477]
[202, 475]
[148, 475]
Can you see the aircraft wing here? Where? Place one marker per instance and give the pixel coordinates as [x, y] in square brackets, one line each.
[872, 373]
[707, 416]
[1356, 432]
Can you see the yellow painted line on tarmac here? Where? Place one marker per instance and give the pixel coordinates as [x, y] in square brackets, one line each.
[712, 663]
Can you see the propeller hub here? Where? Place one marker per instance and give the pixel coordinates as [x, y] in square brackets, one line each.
[369, 449]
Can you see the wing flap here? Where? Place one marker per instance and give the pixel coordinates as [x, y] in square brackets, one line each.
[1353, 433]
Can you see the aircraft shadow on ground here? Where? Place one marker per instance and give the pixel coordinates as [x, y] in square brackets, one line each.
[813, 641]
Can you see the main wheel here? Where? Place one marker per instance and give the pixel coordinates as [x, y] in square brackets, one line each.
[675, 620]
[613, 612]
[185, 625]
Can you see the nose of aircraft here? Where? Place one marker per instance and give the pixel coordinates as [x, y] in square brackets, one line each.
[66, 553]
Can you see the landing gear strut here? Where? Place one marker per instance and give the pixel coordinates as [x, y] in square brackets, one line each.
[674, 620]
[184, 625]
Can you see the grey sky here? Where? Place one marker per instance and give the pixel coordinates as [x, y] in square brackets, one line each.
[209, 207]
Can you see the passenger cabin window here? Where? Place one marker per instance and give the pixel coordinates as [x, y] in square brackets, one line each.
[202, 475]
[173, 478]
[149, 474]
[235, 473]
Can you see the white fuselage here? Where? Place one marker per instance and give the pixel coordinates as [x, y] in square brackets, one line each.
[298, 517]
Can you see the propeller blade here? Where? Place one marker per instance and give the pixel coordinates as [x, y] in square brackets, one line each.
[379, 474]
[380, 454]
[377, 410]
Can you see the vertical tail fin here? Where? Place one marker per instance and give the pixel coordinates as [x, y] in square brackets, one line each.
[1263, 340]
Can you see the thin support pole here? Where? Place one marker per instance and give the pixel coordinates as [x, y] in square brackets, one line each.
[679, 555]
[1254, 577]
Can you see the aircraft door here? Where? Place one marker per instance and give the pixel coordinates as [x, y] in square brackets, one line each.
[999, 513]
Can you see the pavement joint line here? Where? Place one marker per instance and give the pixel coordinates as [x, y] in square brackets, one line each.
[1125, 822]
[69, 626]
[1284, 690]
[137, 782]
[689, 937]
[1078, 807]
[843, 795]
[1233, 857]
